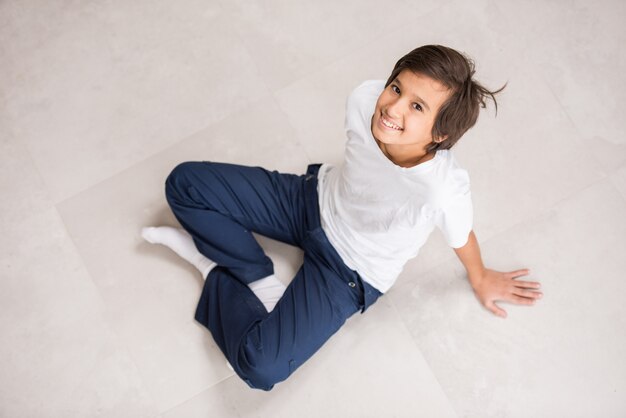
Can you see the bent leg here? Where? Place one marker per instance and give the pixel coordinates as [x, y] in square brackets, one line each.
[219, 204]
[265, 349]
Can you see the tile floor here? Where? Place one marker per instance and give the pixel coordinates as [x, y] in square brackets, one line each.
[100, 100]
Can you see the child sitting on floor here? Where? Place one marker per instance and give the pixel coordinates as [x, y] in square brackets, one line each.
[357, 223]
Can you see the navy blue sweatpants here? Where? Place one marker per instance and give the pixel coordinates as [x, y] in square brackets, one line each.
[220, 205]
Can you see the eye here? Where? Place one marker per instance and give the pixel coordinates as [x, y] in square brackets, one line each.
[394, 87]
[417, 107]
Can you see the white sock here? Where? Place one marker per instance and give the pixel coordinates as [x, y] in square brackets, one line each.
[269, 290]
[179, 241]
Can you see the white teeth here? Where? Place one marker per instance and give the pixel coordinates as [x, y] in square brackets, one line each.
[390, 125]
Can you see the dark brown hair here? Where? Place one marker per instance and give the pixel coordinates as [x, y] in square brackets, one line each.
[454, 70]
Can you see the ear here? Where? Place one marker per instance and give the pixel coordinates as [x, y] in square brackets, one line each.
[440, 139]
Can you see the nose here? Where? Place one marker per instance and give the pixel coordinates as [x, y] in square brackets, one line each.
[393, 109]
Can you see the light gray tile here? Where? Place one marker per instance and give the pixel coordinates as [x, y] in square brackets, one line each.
[292, 39]
[524, 160]
[552, 359]
[59, 356]
[577, 47]
[150, 293]
[119, 82]
[618, 177]
[88, 90]
[369, 368]
[23, 191]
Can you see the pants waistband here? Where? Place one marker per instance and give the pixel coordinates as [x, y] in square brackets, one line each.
[368, 293]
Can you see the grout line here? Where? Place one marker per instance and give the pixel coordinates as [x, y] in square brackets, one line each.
[613, 183]
[414, 342]
[547, 209]
[154, 154]
[365, 46]
[193, 133]
[104, 316]
[579, 138]
[197, 394]
[354, 51]
[296, 138]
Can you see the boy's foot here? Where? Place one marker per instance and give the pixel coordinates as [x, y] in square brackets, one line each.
[179, 241]
[269, 290]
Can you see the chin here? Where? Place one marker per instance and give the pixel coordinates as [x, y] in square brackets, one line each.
[385, 139]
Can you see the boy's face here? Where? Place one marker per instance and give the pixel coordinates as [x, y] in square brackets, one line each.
[409, 104]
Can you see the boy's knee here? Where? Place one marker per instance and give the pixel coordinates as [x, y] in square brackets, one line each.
[180, 177]
[183, 170]
[263, 377]
[266, 372]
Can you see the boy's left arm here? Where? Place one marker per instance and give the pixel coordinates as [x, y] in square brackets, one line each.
[490, 285]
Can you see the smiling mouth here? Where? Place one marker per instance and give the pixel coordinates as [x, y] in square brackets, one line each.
[388, 124]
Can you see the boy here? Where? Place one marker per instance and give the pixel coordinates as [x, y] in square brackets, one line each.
[357, 224]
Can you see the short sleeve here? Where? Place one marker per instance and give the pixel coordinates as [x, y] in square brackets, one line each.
[455, 219]
[361, 102]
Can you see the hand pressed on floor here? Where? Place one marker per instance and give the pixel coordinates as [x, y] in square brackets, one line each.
[494, 286]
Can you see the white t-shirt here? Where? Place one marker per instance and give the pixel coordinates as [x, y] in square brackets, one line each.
[377, 214]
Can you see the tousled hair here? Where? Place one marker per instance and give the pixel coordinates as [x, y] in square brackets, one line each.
[454, 70]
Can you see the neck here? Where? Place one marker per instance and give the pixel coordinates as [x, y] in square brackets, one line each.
[404, 156]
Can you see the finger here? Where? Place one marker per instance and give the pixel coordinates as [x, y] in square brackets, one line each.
[530, 285]
[518, 273]
[527, 293]
[496, 309]
[521, 300]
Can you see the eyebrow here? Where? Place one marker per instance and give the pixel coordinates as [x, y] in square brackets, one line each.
[415, 96]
